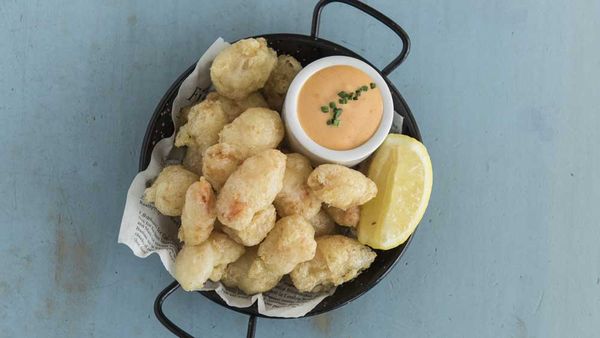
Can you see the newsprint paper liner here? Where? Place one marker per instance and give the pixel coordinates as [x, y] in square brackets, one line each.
[145, 231]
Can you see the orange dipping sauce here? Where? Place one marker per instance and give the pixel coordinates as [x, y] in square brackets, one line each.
[359, 119]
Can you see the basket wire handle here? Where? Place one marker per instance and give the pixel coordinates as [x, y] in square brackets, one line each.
[316, 21]
[176, 330]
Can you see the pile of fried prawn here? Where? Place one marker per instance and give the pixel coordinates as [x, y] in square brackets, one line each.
[251, 212]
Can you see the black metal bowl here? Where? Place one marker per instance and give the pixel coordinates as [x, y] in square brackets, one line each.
[306, 49]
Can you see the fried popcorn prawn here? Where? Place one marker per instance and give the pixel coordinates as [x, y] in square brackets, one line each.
[219, 161]
[205, 121]
[249, 274]
[289, 243]
[278, 83]
[347, 218]
[167, 193]
[262, 222]
[338, 259]
[341, 187]
[233, 108]
[199, 213]
[228, 251]
[195, 264]
[295, 198]
[242, 68]
[250, 188]
[255, 130]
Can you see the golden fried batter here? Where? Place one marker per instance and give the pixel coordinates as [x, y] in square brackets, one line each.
[167, 193]
[347, 218]
[255, 130]
[250, 188]
[219, 162]
[278, 83]
[289, 243]
[227, 250]
[195, 264]
[242, 68]
[262, 222]
[341, 187]
[249, 274]
[233, 108]
[338, 259]
[199, 213]
[295, 198]
[205, 121]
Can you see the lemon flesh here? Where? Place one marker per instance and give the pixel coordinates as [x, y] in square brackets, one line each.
[402, 171]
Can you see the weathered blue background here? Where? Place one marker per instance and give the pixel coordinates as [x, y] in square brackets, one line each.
[506, 95]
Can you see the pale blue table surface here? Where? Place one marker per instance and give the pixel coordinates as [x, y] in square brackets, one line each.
[506, 94]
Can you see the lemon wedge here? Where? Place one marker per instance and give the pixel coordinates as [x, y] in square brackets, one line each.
[402, 171]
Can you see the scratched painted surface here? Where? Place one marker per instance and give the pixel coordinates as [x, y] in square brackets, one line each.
[506, 94]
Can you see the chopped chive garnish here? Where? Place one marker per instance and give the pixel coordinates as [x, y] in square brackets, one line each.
[344, 97]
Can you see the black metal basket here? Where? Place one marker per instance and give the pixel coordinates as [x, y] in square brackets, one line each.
[306, 49]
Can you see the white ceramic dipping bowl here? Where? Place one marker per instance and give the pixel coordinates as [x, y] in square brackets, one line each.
[302, 143]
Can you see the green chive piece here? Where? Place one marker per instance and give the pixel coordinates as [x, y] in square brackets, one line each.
[364, 88]
[340, 101]
[329, 122]
[336, 123]
[325, 109]
[355, 98]
[331, 104]
[337, 114]
[345, 100]
[357, 93]
[373, 85]
[342, 94]
[350, 96]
